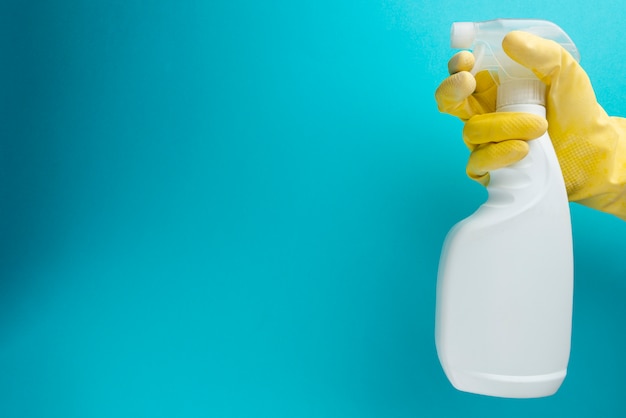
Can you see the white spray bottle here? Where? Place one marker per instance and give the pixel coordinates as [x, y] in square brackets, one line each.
[505, 282]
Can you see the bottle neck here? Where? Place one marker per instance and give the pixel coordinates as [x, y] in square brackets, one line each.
[520, 92]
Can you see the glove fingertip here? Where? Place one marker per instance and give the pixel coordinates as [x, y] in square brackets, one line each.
[482, 179]
[493, 156]
[461, 61]
[454, 90]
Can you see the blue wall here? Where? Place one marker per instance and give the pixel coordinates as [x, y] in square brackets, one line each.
[236, 208]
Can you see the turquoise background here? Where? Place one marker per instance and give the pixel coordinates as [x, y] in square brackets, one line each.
[236, 209]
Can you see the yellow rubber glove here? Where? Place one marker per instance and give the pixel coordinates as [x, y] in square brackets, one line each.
[590, 145]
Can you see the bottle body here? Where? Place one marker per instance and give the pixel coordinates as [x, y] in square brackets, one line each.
[505, 284]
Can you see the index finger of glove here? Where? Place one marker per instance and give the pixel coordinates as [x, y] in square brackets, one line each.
[461, 61]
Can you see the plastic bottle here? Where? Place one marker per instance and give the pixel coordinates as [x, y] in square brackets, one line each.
[505, 282]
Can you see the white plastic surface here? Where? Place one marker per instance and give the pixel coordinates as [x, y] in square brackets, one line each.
[462, 35]
[505, 284]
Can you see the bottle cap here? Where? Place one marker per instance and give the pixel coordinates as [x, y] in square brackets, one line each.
[521, 92]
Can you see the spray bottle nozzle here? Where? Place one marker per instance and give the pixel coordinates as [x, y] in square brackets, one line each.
[462, 35]
[485, 40]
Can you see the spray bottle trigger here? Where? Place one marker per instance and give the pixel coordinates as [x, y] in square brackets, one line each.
[481, 62]
[479, 57]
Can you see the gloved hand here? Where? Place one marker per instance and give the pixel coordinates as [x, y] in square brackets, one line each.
[590, 145]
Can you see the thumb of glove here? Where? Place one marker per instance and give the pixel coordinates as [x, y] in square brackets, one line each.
[570, 95]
